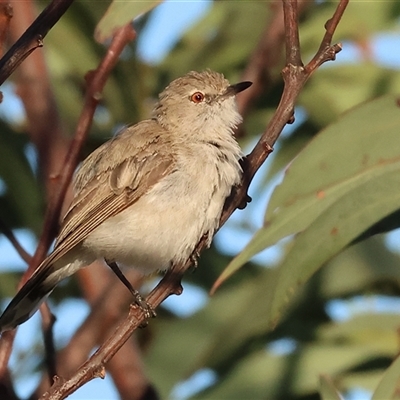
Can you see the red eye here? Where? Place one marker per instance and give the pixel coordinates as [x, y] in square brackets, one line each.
[197, 97]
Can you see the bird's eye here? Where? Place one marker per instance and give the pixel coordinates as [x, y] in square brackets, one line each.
[197, 97]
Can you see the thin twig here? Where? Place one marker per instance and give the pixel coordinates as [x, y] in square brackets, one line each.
[32, 38]
[48, 321]
[106, 312]
[6, 13]
[326, 51]
[44, 128]
[295, 75]
[9, 234]
[24, 46]
[267, 56]
[96, 81]
[293, 54]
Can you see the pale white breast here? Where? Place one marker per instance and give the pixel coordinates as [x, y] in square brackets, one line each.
[165, 225]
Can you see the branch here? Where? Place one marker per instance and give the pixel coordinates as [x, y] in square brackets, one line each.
[33, 86]
[6, 13]
[267, 56]
[32, 38]
[108, 303]
[8, 233]
[291, 18]
[12, 59]
[295, 76]
[96, 81]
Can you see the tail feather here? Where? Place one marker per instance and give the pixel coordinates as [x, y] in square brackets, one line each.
[27, 301]
[37, 288]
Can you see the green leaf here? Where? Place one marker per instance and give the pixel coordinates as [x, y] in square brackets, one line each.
[335, 228]
[120, 13]
[364, 265]
[340, 165]
[222, 39]
[327, 389]
[388, 387]
[21, 204]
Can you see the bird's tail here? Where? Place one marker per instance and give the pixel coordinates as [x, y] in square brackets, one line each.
[27, 301]
[34, 292]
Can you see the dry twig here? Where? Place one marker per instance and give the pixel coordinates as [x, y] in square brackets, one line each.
[9, 234]
[32, 38]
[295, 75]
[6, 14]
[96, 81]
[24, 46]
[267, 56]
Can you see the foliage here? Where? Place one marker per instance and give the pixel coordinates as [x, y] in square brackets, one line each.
[338, 194]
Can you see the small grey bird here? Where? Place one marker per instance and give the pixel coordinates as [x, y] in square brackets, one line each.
[146, 197]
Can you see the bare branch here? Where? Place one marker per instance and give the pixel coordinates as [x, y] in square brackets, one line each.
[108, 303]
[327, 51]
[32, 38]
[295, 76]
[293, 56]
[6, 13]
[170, 284]
[96, 81]
[8, 233]
[266, 57]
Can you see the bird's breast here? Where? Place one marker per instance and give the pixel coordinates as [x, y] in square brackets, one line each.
[165, 224]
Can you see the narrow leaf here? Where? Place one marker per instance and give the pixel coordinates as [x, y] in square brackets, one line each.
[327, 389]
[119, 14]
[389, 386]
[355, 151]
[333, 230]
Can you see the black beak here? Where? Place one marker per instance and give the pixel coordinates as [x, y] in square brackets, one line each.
[237, 88]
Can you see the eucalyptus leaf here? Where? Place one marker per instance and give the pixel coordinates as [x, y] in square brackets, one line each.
[118, 14]
[340, 170]
[388, 387]
[327, 389]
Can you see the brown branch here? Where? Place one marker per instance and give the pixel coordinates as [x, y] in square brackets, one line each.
[35, 93]
[108, 303]
[44, 127]
[96, 81]
[32, 38]
[6, 389]
[326, 51]
[94, 367]
[48, 321]
[295, 76]
[6, 13]
[8, 233]
[293, 55]
[266, 57]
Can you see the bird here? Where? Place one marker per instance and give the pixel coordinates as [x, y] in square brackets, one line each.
[146, 197]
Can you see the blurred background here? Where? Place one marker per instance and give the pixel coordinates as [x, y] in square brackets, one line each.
[343, 323]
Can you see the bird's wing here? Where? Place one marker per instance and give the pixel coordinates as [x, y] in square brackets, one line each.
[111, 179]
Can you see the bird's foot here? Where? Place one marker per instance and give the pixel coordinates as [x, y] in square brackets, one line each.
[138, 299]
[144, 306]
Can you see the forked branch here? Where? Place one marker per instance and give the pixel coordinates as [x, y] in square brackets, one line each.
[295, 75]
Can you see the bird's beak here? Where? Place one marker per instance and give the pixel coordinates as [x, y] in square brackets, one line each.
[236, 88]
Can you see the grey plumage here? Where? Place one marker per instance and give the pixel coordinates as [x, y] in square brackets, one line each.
[146, 197]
